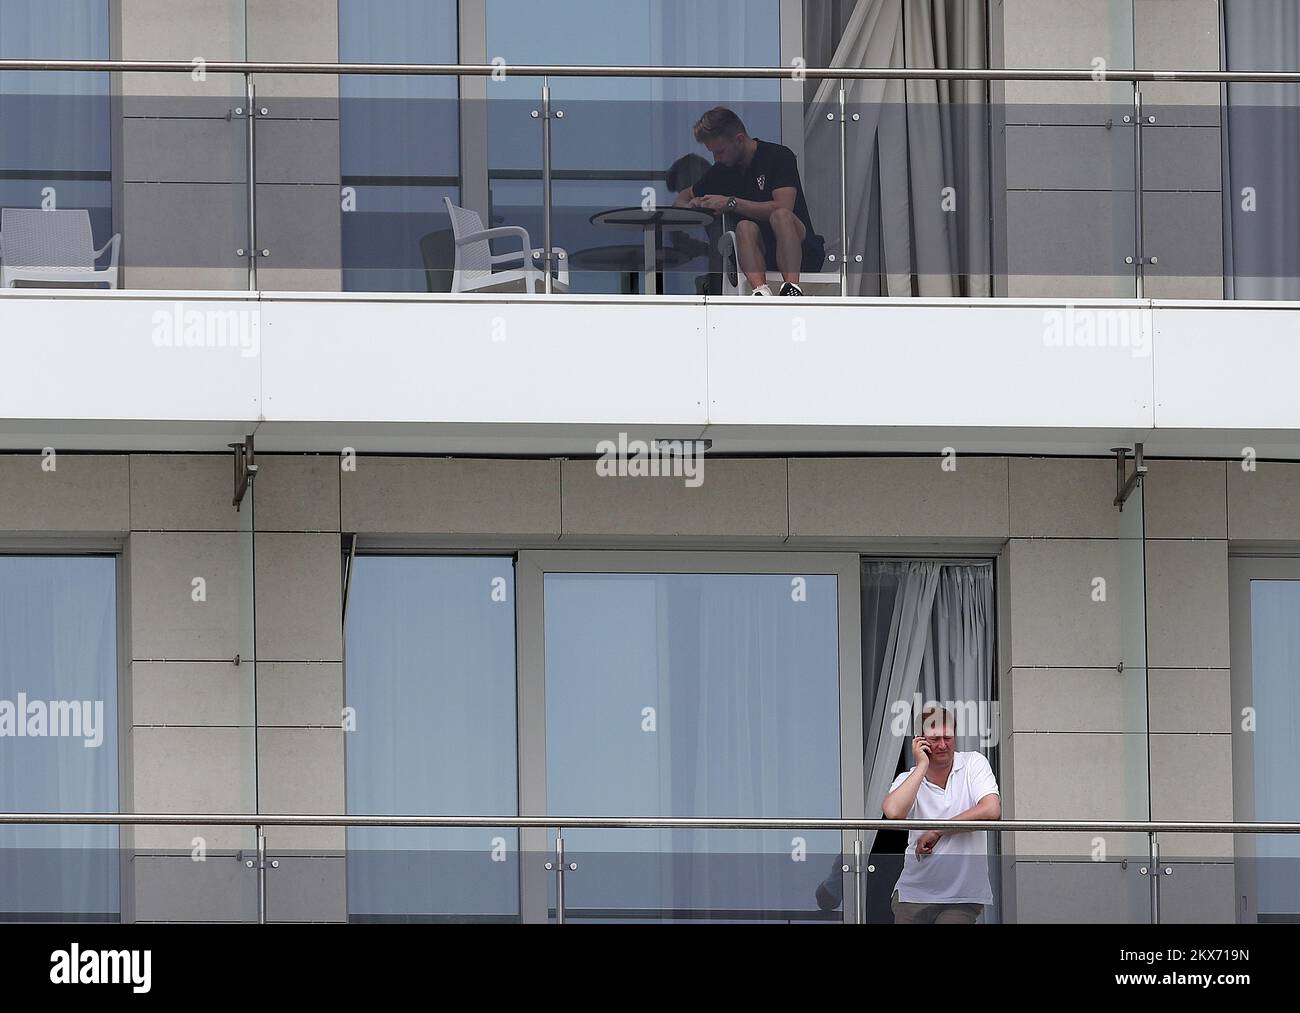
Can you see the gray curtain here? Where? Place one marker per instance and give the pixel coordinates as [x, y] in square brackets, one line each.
[1262, 251]
[910, 144]
[894, 654]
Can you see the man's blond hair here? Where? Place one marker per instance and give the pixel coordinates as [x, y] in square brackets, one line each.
[719, 122]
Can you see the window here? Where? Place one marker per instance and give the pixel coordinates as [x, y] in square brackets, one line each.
[697, 686]
[399, 145]
[58, 735]
[430, 683]
[1263, 135]
[1265, 644]
[54, 127]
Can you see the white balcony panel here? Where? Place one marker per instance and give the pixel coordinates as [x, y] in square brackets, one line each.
[114, 360]
[958, 363]
[481, 360]
[1228, 366]
[535, 375]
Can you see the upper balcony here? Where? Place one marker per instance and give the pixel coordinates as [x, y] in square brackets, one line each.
[911, 183]
[1040, 260]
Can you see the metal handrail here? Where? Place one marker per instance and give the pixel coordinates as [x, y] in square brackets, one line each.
[636, 822]
[562, 70]
[561, 867]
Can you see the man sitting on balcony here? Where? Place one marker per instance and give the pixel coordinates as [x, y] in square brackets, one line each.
[945, 875]
[758, 183]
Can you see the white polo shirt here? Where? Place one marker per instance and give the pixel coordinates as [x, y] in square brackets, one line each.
[957, 871]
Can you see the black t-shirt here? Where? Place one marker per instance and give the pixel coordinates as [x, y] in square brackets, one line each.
[774, 166]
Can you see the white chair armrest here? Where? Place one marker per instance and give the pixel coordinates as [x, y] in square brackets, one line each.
[501, 232]
[514, 257]
[116, 244]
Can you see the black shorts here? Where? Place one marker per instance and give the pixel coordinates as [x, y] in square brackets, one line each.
[814, 251]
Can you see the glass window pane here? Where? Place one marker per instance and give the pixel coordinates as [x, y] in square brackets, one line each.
[55, 147]
[399, 145]
[693, 695]
[58, 735]
[430, 677]
[1275, 677]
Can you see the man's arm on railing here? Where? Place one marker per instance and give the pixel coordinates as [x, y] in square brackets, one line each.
[987, 808]
[988, 804]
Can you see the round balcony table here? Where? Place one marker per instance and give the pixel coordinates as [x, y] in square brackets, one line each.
[653, 225]
[628, 260]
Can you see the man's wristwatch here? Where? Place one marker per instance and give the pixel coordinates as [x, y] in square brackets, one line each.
[731, 204]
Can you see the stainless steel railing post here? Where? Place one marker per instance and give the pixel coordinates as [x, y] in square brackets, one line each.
[560, 868]
[1139, 252]
[261, 876]
[844, 193]
[250, 95]
[1155, 877]
[546, 184]
[859, 883]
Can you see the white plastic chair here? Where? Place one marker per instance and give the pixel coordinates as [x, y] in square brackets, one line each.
[734, 281]
[475, 261]
[56, 247]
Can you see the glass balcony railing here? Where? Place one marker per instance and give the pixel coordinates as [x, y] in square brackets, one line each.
[412, 869]
[385, 178]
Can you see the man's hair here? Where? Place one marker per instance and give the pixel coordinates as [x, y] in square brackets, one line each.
[719, 122]
[946, 718]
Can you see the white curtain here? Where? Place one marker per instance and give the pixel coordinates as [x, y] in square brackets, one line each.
[761, 688]
[917, 158]
[1262, 252]
[1275, 677]
[704, 695]
[58, 642]
[430, 676]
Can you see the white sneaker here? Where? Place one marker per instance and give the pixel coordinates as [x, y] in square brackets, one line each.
[763, 290]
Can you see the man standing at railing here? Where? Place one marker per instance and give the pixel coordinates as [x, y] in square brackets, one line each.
[945, 875]
[757, 183]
